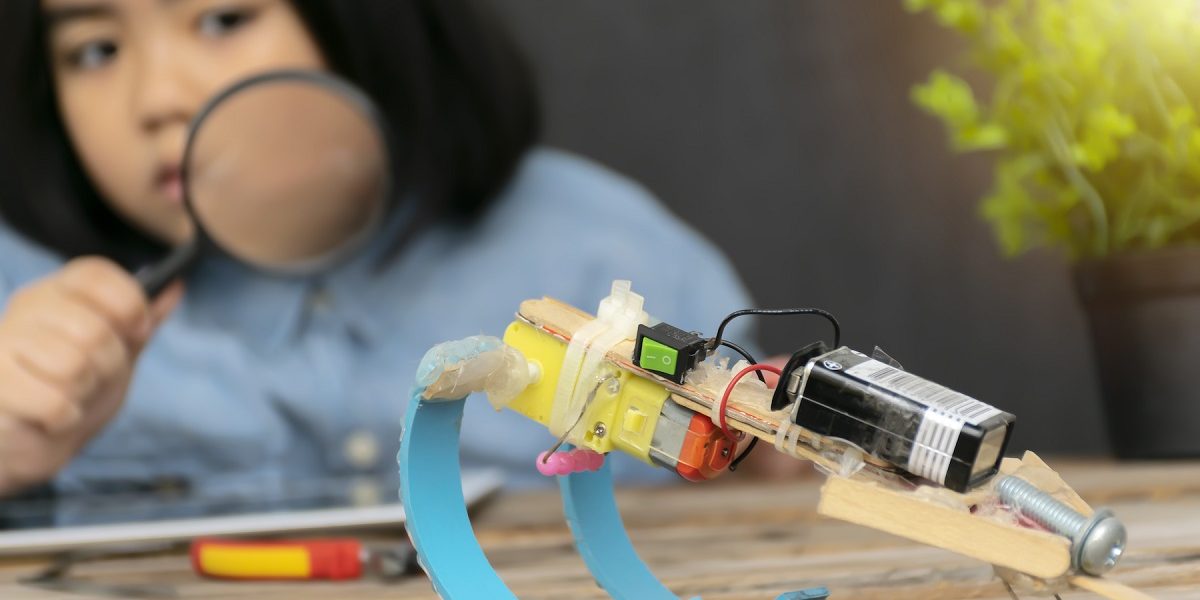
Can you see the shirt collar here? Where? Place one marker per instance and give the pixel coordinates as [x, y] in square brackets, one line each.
[263, 309]
[270, 310]
[369, 292]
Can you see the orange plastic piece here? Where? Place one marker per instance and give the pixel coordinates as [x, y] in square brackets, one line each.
[706, 451]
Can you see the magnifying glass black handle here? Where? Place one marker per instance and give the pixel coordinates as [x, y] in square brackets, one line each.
[156, 277]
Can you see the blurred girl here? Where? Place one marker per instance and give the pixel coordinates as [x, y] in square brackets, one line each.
[238, 383]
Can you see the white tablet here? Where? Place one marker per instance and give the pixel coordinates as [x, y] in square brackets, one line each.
[477, 486]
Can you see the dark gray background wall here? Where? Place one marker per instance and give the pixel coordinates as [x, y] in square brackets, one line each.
[783, 131]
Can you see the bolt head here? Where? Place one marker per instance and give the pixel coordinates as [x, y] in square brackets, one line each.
[599, 430]
[1102, 544]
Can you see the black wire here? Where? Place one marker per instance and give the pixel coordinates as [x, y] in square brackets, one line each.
[754, 440]
[718, 340]
[745, 355]
[837, 327]
[1011, 592]
[737, 461]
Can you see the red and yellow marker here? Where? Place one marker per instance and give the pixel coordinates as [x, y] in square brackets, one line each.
[330, 559]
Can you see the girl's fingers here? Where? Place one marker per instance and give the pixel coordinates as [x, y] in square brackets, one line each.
[67, 338]
[56, 361]
[111, 292]
[79, 324]
[29, 398]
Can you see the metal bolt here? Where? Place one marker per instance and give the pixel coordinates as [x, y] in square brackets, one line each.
[1096, 543]
[599, 430]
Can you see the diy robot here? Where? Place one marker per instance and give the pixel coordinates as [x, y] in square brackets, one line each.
[903, 454]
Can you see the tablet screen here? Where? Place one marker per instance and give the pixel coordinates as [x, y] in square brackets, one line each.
[171, 499]
[55, 524]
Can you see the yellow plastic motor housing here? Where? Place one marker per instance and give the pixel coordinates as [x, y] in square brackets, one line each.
[623, 413]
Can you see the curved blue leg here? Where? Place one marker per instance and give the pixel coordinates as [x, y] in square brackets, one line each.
[599, 533]
[435, 510]
[437, 521]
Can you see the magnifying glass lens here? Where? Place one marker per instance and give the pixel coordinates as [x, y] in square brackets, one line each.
[287, 174]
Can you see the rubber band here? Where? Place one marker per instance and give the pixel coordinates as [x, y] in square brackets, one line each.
[617, 320]
[714, 412]
[781, 436]
[787, 439]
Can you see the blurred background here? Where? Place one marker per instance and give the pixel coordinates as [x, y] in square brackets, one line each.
[784, 131]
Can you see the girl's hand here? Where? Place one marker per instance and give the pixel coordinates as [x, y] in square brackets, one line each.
[68, 345]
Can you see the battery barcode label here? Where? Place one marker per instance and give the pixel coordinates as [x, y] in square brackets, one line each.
[922, 390]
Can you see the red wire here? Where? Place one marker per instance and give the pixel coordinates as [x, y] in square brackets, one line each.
[721, 422]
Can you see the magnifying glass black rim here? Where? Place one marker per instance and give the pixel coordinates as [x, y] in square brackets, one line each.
[156, 277]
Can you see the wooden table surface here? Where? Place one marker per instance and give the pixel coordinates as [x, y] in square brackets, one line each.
[741, 538]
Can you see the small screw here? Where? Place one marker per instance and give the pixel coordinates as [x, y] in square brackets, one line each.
[599, 430]
[725, 452]
[1096, 543]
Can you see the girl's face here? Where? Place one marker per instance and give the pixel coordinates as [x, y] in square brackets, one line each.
[130, 74]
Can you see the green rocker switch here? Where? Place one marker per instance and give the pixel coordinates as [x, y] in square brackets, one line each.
[668, 351]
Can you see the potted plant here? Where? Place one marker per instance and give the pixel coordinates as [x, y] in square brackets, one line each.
[1091, 114]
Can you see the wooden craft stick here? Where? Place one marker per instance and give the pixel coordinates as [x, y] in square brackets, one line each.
[563, 320]
[1108, 588]
[901, 513]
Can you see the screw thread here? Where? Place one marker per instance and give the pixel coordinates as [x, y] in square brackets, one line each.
[1041, 507]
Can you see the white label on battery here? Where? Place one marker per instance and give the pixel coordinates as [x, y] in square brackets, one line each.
[934, 445]
[960, 406]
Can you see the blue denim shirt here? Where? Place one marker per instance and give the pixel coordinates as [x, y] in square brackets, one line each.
[257, 382]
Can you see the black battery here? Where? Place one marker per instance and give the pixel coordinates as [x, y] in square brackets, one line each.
[920, 426]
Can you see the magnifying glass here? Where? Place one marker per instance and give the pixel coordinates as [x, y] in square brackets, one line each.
[287, 171]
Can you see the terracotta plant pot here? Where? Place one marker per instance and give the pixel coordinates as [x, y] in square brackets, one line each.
[1144, 312]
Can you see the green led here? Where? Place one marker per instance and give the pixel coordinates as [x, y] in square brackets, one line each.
[658, 357]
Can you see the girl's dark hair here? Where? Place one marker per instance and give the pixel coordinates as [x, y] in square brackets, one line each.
[454, 88]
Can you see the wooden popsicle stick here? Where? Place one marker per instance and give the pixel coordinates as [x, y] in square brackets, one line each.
[1041, 475]
[1108, 588]
[563, 320]
[901, 513]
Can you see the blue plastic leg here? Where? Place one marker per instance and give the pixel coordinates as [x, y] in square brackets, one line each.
[599, 533]
[437, 521]
[435, 510]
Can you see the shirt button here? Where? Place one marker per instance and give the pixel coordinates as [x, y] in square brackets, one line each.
[365, 492]
[320, 299]
[361, 449]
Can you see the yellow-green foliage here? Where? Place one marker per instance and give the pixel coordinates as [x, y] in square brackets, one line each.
[1092, 118]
